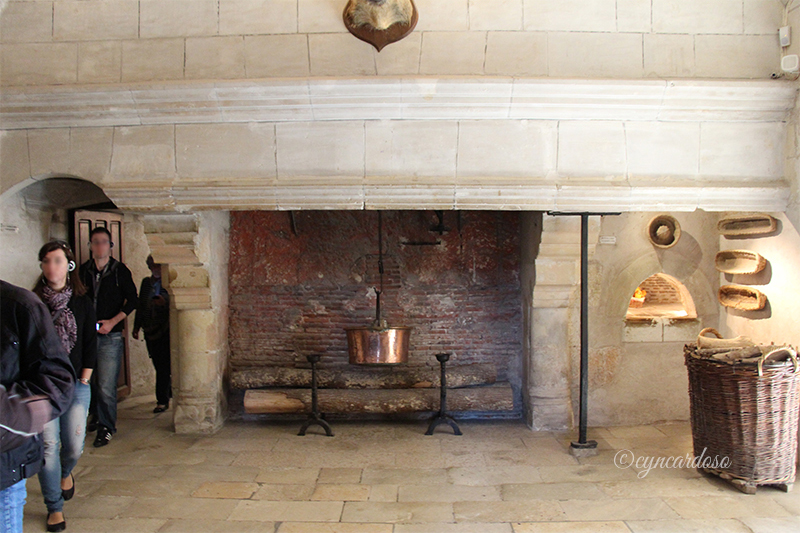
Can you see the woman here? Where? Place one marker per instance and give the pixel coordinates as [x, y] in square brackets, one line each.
[60, 288]
[152, 316]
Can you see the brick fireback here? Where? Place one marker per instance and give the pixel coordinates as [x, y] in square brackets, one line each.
[292, 294]
[660, 291]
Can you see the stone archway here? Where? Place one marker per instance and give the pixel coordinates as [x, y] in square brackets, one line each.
[34, 211]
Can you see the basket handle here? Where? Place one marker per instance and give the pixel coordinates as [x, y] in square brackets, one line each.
[791, 351]
[709, 330]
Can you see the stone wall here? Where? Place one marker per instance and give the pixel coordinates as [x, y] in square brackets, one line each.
[637, 374]
[111, 41]
[292, 295]
[25, 229]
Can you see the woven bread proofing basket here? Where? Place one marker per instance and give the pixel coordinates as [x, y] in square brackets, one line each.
[750, 419]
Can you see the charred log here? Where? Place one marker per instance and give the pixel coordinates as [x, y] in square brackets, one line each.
[498, 397]
[365, 377]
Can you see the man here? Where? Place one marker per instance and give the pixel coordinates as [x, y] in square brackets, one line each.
[152, 316]
[111, 286]
[36, 384]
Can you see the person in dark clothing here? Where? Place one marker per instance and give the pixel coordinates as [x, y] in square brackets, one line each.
[113, 292]
[152, 316]
[61, 289]
[36, 384]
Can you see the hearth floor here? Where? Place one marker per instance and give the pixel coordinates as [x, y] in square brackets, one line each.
[381, 477]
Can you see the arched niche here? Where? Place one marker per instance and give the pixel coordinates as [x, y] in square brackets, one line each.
[661, 296]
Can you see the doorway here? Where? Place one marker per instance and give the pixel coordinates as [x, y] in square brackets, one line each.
[84, 221]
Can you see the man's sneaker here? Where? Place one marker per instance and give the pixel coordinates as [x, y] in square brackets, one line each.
[103, 437]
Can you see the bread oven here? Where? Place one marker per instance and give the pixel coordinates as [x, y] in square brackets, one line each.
[661, 296]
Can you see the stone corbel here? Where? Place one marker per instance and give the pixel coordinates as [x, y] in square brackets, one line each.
[197, 387]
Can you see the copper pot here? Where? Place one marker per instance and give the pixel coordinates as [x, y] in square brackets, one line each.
[378, 346]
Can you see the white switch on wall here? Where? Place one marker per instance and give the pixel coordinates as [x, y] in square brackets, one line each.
[785, 35]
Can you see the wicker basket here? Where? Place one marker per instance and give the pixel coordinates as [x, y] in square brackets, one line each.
[747, 413]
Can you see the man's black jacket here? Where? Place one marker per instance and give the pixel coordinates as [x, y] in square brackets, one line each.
[114, 292]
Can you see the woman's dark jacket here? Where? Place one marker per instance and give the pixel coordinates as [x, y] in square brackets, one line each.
[36, 381]
[84, 353]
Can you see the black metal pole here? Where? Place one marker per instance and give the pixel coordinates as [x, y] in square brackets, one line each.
[443, 391]
[315, 417]
[583, 446]
[443, 417]
[584, 327]
[314, 402]
[378, 292]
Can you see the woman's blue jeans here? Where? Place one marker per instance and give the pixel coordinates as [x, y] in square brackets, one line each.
[12, 502]
[63, 445]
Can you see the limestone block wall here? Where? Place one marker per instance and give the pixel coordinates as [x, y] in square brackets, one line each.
[24, 230]
[637, 373]
[532, 164]
[111, 41]
[536, 149]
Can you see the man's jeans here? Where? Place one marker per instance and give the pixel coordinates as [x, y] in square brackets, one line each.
[12, 501]
[63, 446]
[109, 359]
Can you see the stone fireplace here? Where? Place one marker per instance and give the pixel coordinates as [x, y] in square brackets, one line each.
[297, 280]
[200, 164]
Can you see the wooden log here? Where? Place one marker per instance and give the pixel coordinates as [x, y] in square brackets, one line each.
[498, 397]
[366, 378]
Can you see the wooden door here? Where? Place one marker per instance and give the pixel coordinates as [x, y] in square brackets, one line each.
[84, 222]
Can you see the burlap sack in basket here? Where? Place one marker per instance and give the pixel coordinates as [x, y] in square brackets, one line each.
[710, 342]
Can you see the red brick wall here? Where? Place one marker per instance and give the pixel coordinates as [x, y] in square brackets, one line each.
[292, 295]
[660, 291]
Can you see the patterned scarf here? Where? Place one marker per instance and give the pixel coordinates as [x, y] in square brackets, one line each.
[64, 320]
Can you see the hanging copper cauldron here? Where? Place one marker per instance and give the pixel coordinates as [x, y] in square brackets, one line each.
[378, 345]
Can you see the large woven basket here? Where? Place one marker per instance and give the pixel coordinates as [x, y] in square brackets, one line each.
[750, 419]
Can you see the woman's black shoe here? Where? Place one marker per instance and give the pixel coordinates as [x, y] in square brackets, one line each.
[161, 408]
[61, 526]
[70, 492]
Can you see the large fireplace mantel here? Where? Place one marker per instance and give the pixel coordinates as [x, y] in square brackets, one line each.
[308, 100]
[409, 143]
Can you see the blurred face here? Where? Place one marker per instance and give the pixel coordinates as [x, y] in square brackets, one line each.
[100, 246]
[55, 268]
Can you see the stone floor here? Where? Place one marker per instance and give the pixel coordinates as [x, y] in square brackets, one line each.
[390, 478]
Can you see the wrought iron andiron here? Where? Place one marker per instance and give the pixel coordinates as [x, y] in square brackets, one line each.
[315, 417]
[442, 417]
